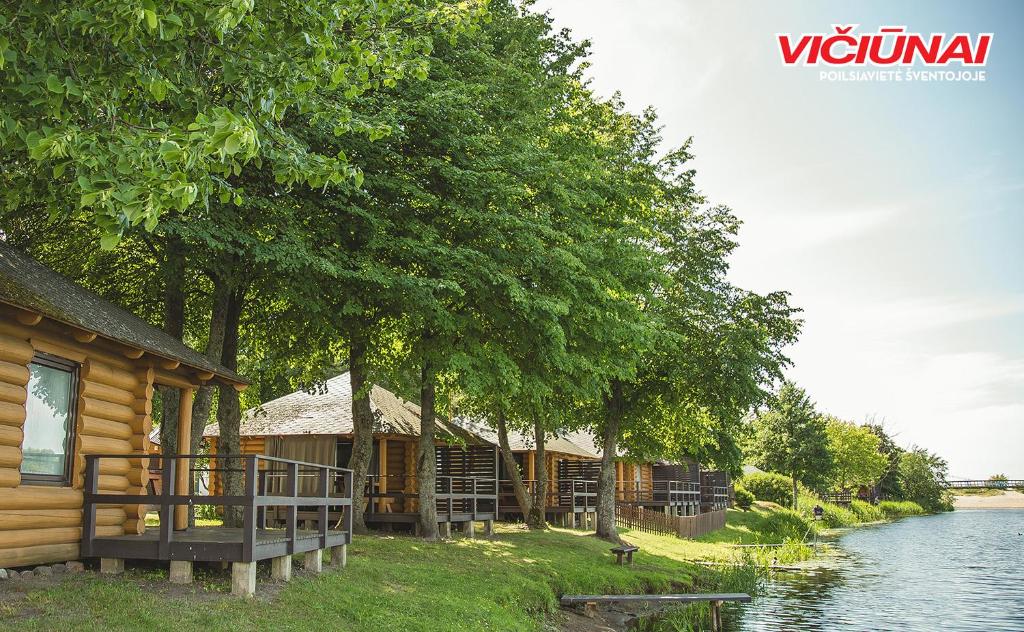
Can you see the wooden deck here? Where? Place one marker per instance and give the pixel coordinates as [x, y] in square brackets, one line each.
[214, 544]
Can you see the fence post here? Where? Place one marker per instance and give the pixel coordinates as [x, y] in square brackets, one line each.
[166, 507]
[324, 491]
[249, 509]
[292, 510]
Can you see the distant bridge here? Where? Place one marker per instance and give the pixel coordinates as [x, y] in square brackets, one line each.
[986, 484]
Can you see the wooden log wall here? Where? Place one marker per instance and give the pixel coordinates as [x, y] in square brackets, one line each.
[40, 524]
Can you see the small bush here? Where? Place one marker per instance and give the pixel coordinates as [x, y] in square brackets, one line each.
[837, 516]
[866, 512]
[744, 499]
[782, 525]
[900, 508]
[771, 487]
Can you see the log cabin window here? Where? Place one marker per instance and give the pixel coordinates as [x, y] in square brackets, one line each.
[49, 420]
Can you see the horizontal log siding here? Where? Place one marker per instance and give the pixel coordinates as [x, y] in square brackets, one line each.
[42, 524]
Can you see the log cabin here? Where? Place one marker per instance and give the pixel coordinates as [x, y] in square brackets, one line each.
[574, 464]
[77, 376]
[317, 427]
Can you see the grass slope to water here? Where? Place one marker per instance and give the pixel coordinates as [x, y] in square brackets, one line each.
[509, 582]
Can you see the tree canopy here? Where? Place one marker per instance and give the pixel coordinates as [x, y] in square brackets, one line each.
[791, 438]
[856, 455]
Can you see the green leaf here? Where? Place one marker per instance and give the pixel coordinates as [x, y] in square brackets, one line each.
[53, 84]
[108, 241]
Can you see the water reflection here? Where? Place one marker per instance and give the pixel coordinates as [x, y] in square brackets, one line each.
[956, 571]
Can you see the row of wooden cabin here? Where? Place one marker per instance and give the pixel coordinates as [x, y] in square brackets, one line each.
[77, 380]
[472, 478]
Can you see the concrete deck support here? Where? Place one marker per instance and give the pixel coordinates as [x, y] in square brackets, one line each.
[314, 561]
[469, 529]
[181, 572]
[281, 568]
[111, 565]
[446, 530]
[488, 527]
[339, 555]
[243, 579]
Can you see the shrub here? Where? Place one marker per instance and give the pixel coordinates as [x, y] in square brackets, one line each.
[837, 516]
[744, 499]
[866, 512]
[900, 508]
[782, 525]
[771, 487]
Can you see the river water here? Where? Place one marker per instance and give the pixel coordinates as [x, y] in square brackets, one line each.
[950, 572]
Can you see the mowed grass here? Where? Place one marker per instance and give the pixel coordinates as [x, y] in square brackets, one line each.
[511, 581]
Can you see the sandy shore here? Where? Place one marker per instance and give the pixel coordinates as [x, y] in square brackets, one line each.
[1007, 500]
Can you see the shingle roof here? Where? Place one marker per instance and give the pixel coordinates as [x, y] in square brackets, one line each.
[519, 442]
[28, 284]
[329, 412]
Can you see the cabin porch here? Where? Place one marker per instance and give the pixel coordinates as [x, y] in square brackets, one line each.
[267, 483]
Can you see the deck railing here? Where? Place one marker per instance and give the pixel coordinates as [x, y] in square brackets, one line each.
[332, 489]
[671, 492]
[472, 495]
[714, 496]
[576, 495]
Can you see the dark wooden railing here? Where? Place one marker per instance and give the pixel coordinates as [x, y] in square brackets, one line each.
[672, 492]
[714, 496]
[455, 494]
[838, 498]
[332, 490]
[575, 495]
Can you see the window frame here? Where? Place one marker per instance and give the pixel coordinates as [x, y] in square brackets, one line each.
[74, 368]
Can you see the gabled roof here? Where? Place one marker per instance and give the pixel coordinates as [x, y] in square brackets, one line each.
[28, 284]
[328, 411]
[520, 442]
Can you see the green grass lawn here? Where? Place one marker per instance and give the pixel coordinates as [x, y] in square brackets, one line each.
[509, 582]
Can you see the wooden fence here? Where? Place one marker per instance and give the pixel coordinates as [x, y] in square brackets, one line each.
[648, 521]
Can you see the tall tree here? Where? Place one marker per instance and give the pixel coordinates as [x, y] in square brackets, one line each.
[923, 479]
[791, 438]
[856, 457]
[889, 481]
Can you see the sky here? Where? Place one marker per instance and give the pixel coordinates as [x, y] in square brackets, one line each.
[891, 211]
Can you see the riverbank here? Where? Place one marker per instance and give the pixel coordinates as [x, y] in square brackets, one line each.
[511, 581]
[1006, 499]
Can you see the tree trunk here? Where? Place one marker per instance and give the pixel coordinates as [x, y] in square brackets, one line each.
[614, 406]
[229, 413]
[794, 492]
[538, 507]
[362, 425]
[511, 468]
[203, 402]
[426, 458]
[172, 269]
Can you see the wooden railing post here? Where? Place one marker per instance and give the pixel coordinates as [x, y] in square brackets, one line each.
[166, 506]
[249, 509]
[261, 511]
[292, 510]
[92, 477]
[348, 512]
[324, 491]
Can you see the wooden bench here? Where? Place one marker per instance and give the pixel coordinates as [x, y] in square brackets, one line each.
[716, 600]
[626, 550]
